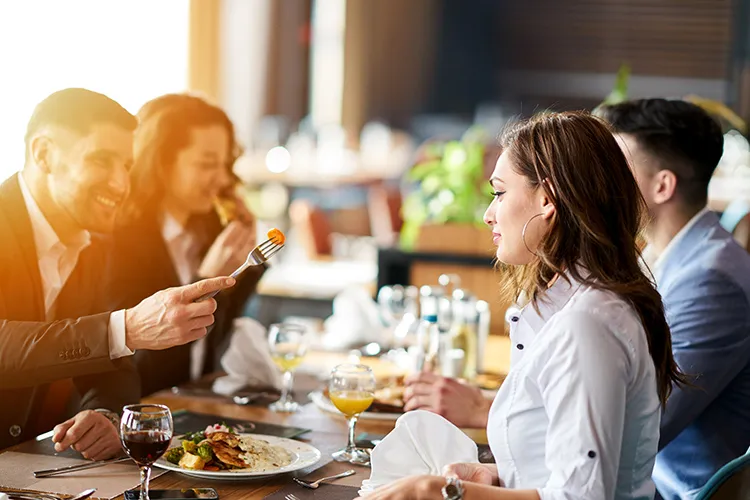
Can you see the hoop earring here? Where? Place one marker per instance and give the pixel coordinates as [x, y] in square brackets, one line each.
[523, 233]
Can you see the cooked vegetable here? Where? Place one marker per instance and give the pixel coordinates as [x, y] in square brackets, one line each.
[205, 452]
[190, 461]
[189, 446]
[174, 455]
[195, 437]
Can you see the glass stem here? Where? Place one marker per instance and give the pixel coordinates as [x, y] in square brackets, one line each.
[286, 389]
[352, 422]
[145, 477]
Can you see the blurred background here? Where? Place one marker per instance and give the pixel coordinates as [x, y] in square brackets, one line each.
[369, 126]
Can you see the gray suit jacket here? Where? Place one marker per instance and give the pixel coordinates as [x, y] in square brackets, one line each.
[705, 285]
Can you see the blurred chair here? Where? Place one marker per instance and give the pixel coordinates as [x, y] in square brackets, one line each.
[731, 482]
[736, 220]
[313, 228]
[384, 206]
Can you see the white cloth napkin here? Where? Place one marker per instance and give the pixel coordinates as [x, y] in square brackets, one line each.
[247, 360]
[355, 320]
[422, 443]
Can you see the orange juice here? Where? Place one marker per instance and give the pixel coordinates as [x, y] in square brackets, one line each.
[351, 403]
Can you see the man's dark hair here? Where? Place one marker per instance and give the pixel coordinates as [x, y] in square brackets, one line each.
[681, 136]
[78, 110]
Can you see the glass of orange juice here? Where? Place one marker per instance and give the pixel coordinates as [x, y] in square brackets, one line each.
[352, 389]
[288, 343]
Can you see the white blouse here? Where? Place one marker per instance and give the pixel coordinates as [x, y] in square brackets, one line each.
[578, 415]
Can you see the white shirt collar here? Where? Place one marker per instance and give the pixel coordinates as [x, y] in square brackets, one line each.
[548, 303]
[170, 228]
[45, 237]
[657, 262]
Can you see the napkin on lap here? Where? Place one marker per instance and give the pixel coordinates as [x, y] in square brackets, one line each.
[247, 360]
[422, 443]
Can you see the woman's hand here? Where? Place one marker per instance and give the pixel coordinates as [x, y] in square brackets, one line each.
[474, 473]
[228, 251]
[411, 488]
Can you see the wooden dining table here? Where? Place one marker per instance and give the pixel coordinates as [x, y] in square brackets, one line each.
[328, 431]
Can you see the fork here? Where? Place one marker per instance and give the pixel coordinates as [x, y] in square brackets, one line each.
[257, 256]
[314, 484]
[291, 497]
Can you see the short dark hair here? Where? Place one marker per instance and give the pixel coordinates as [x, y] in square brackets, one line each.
[683, 137]
[78, 109]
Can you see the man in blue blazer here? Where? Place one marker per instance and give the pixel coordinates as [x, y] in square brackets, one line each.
[703, 276]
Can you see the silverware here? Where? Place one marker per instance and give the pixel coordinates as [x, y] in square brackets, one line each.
[250, 398]
[77, 467]
[84, 494]
[314, 484]
[291, 497]
[257, 256]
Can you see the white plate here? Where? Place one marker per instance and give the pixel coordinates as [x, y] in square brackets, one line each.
[325, 404]
[303, 455]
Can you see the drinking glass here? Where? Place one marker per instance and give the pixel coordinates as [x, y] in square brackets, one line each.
[288, 343]
[145, 432]
[352, 389]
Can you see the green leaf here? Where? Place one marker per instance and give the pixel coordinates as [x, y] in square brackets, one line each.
[619, 92]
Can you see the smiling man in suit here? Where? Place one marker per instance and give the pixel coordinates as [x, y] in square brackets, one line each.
[55, 341]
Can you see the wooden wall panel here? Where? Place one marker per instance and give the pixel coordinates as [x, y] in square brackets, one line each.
[677, 38]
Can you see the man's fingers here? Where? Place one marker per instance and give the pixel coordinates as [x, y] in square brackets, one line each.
[193, 291]
[76, 432]
[200, 322]
[60, 429]
[87, 440]
[103, 449]
[201, 308]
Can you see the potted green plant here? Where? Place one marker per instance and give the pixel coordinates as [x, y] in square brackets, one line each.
[448, 195]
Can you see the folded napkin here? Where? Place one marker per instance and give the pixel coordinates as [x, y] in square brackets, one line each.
[355, 320]
[422, 443]
[247, 360]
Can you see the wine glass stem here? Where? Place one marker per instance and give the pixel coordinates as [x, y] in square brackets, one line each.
[352, 423]
[286, 389]
[145, 477]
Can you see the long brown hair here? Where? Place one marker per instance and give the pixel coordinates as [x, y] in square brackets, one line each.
[599, 214]
[164, 129]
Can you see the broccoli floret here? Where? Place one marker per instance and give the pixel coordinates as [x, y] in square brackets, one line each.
[174, 455]
[205, 452]
[189, 446]
[195, 437]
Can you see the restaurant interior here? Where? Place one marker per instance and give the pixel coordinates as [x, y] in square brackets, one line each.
[366, 132]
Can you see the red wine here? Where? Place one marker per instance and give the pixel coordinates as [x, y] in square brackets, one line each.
[145, 447]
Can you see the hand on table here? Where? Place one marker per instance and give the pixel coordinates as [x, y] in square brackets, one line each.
[172, 317]
[461, 404]
[90, 433]
[410, 488]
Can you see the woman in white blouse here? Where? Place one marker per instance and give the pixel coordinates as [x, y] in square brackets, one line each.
[577, 418]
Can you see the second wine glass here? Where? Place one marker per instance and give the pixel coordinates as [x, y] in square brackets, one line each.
[352, 389]
[288, 343]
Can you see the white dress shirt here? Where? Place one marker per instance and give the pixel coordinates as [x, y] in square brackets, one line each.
[56, 264]
[183, 250]
[578, 415]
